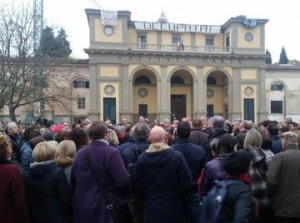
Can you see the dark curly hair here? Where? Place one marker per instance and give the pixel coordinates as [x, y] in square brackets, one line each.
[79, 137]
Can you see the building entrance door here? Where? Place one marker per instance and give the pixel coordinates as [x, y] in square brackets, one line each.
[178, 106]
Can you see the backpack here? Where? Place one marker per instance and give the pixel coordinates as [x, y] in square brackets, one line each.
[212, 203]
[131, 156]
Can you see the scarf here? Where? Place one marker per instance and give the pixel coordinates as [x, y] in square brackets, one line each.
[243, 177]
[157, 147]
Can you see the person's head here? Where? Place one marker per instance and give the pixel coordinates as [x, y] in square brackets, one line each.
[253, 139]
[141, 119]
[284, 129]
[237, 163]
[12, 128]
[227, 143]
[184, 130]
[141, 132]
[197, 124]
[65, 153]
[86, 124]
[236, 125]
[44, 151]
[57, 128]
[157, 135]
[48, 135]
[214, 147]
[35, 140]
[217, 122]
[30, 132]
[175, 124]
[79, 137]
[131, 132]
[240, 138]
[273, 129]
[112, 137]
[167, 124]
[124, 121]
[266, 144]
[62, 135]
[66, 126]
[245, 125]
[120, 131]
[289, 137]
[5, 148]
[97, 130]
[203, 121]
[108, 123]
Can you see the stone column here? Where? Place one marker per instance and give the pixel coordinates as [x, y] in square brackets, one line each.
[126, 109]
[235, 95]
[202, 86]
[163, 95]
[94, 106]
[200, 94]
[261, 97]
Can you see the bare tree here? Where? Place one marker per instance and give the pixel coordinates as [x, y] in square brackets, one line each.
[19, 83]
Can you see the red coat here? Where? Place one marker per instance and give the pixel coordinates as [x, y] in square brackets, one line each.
[12, 196]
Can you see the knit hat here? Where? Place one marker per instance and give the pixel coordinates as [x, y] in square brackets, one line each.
[237, 163]
[48, 136]
[57, 128]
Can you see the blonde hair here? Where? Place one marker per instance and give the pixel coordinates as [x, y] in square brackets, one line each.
[44, 151]
[253, 139]
[112, 138]
[65, 153]
[5, 147]
[290, 136]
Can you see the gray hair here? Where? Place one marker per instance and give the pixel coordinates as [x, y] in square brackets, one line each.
[141, 131]
[217, 122]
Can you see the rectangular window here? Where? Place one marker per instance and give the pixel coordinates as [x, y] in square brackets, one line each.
[142, 42]
[276, 107]
[209, 44]
[176, 41]
[81, 84]
[227, 42]
[81, 103]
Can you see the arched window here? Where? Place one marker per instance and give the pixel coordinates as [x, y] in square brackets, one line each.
[142, 80]
[277, 86]
[211, 81]
[177, 80]
[81, 84]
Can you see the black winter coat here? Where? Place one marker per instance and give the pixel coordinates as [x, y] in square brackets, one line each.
[239, 204]
[48, 194]
[161, 180]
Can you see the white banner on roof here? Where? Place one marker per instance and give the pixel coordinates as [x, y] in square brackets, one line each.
[109, 17]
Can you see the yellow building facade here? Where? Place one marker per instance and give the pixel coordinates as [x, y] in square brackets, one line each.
[166, 70]
[162, 70]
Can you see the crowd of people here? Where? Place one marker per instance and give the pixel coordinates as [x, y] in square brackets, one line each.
[149, 172]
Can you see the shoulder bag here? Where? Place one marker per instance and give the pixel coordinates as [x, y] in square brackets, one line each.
[118, 214]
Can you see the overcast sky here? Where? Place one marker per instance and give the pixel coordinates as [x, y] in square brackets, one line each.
[282, 30]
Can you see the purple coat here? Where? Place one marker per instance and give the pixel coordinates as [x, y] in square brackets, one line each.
[212, 172]
[88, 203]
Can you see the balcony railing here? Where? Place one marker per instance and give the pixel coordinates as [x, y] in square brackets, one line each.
[180, 48]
